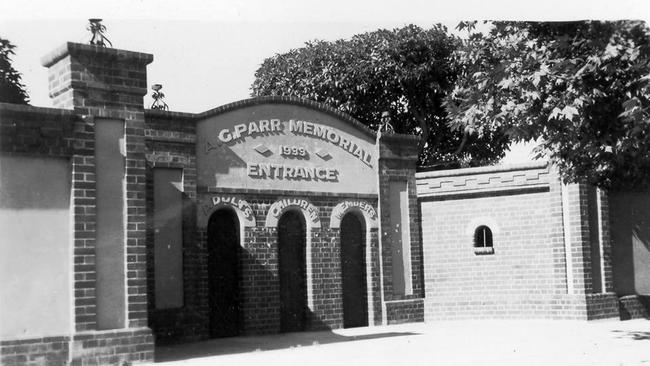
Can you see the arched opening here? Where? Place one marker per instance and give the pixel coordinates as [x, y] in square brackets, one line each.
[291, 258]
[483, 237]
[223, 274]
[353, 272]
[483, 241]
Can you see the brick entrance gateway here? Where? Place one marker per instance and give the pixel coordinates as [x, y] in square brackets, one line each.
[124, 227]
[290, 174]
[179, 227]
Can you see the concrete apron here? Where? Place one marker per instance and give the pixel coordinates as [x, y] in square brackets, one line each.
[490, 342]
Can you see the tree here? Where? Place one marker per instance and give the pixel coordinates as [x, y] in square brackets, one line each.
[405, 72]
[11, 88]
[582, 88]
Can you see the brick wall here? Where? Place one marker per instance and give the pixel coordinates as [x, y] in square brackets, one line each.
[51, 351]
[113, 347]
[31, 131]
[634, 307]
[37, 132]
[540, 266]
[90, 83]
[26, 130]
[405, 311]
[602, 306]
[259, 286]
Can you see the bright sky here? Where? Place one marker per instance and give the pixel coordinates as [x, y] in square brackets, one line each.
[206, 52]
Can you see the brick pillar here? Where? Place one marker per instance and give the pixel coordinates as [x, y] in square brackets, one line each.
[398, 156]
[105, 83]
[587, 223]
[579, 231]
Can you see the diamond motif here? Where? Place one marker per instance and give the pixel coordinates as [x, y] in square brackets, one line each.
[323, 154]
[262, 149]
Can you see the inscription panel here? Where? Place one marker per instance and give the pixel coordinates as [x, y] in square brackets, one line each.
[285, 147]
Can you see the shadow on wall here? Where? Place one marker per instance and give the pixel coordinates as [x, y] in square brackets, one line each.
[185, 323]
[244, 304]
[642, 235]
[259, 294]
[29, 183]
[233, 345]
[227, 159]
[630, 233]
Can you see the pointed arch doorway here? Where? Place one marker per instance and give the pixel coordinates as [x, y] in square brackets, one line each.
[223, 274]
[353, 272]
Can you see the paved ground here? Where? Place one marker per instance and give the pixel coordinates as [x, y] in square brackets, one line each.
[475, 343]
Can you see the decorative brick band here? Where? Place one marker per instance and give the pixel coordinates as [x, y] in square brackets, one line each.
[492, 179]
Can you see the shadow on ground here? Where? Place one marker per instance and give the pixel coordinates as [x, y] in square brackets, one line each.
[233, 345]
[637, 336]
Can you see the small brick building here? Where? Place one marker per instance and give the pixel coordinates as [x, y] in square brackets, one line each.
[124, 227]
[515, 242]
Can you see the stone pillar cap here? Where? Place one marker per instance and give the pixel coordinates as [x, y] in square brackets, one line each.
[70, 48]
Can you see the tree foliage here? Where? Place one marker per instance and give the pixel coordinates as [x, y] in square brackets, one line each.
[11, 88]
[406, 72]
[582, 88]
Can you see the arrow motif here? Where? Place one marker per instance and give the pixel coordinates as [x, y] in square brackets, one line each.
[209, 146]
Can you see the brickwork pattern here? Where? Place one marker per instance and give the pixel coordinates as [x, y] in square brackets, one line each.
[259, 286]
[405, 311]
[527, 274]
[634, 307]
[51, 351]
[112, 347]
[516, 278]
[90, 76]
[84, 210]
[26, 130]
[602, 306]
